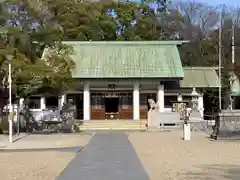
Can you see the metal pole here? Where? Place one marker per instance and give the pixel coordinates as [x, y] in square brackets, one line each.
[10, 99]
[233, 60]
[220, 63]
[18, 118]
[233, 44]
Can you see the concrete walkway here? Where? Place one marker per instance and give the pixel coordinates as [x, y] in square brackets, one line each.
[108, 156]
[4, 139]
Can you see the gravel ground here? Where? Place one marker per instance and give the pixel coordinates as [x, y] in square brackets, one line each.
[40, 165]
[165, 156]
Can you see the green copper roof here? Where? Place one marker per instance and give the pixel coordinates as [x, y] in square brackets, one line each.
[126, 59]
[199, 77]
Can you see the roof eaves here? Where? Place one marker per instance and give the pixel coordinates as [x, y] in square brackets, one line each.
[128, 77]
[201, 68]
[124, 42]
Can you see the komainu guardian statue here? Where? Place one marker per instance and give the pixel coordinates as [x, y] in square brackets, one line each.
[153, 105]
[234, 84]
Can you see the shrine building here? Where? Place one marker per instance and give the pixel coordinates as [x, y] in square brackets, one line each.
[118, 77]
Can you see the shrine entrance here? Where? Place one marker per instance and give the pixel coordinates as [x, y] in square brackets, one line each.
[111, 105]
[111, 102]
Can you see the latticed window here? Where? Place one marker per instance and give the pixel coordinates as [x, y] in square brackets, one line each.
[143, 101]
[97, 101]
[125, 100]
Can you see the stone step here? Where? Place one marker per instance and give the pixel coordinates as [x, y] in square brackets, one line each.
[112, 125]
[117, 127]
[111, 128]
[114, 121]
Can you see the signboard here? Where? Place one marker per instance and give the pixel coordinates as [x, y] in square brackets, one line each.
[111, 94]
[111, 86]
[181, 108]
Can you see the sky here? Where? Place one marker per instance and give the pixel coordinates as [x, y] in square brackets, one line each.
[212, 2]
[217, 2]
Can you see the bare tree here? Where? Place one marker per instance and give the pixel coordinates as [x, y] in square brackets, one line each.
[198, 19]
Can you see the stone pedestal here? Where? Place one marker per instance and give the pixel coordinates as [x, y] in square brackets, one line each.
[155, 119]
[197, 122]
[229, 125]
[186, 132]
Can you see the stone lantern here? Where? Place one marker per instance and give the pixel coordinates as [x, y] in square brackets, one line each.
[179, 98]
[194, 114]
[194, 95]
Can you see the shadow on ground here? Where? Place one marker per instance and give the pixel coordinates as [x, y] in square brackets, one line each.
[61, 149]
[232, 135]
[214, 172]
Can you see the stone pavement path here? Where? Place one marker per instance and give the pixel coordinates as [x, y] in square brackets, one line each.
[108, 156]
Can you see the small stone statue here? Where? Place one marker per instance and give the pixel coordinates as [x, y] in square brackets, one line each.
[67, 110]
[234, 83]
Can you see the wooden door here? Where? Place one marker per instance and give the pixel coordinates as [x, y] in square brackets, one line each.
[97, 106]
[125, 108]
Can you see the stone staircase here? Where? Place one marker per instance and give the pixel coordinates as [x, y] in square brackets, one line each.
[112, 125]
